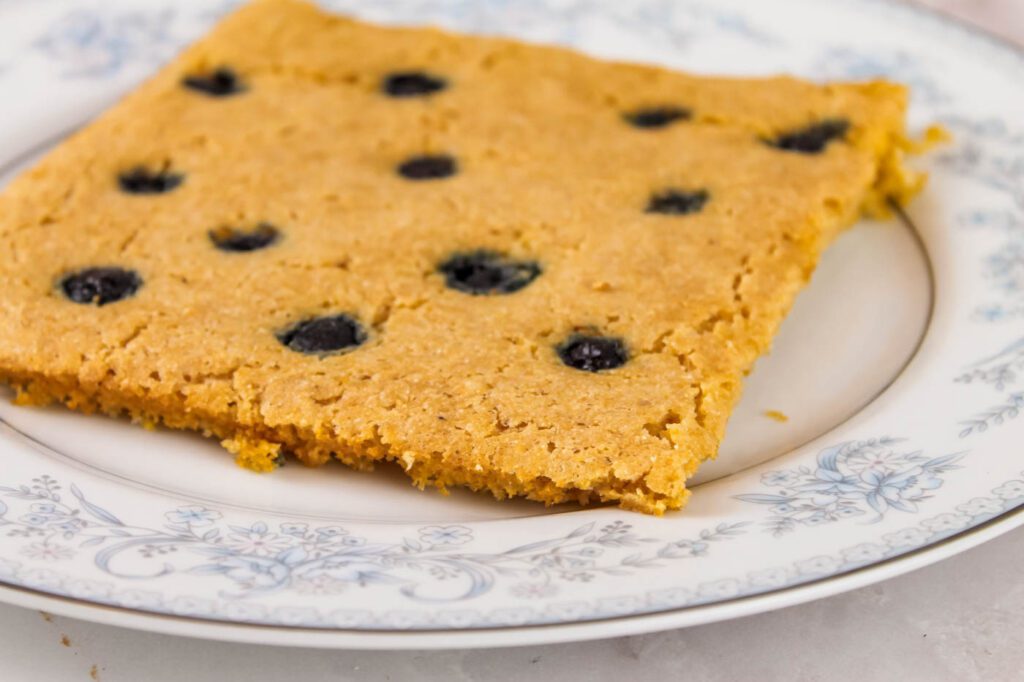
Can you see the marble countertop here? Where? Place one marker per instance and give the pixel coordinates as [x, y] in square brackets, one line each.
[962, 619]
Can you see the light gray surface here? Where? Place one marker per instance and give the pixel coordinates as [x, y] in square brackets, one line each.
[962, 619]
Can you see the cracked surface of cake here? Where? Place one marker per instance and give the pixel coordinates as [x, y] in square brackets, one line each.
[500, 265]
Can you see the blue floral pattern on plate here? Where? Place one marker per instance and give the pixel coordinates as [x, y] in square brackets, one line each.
[296, 556]
[992, 155]
[865, 478]
[96, 45]
[327, 560]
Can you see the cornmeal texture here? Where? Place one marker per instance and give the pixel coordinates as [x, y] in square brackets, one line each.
[505, 266]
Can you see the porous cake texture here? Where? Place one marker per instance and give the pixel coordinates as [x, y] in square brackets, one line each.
[500, 265]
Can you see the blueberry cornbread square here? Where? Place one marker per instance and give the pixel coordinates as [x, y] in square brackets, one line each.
[504, 266]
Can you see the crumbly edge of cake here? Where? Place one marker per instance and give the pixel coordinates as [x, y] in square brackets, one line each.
[260, 448]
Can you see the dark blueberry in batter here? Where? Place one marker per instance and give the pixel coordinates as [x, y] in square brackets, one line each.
[222, 82]
[428, 167]
[814, 138]
[234, 239]
[412, 84]
[593, 353]
[678, 202]
[324, 335]
[487, 272]
[141, 180]
[657, 117]
[100, 286]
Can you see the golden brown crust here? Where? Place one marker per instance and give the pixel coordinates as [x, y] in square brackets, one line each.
[459, 390]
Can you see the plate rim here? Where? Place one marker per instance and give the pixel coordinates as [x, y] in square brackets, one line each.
[520, 635]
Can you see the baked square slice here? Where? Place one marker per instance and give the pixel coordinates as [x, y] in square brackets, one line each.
[499, 265]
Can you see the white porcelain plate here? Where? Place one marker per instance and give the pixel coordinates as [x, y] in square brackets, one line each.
[899, 369]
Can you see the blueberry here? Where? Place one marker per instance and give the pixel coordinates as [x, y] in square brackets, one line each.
[324, 335]
[222, 82]
[657, 117]
[141, 180]
[234, 239]
[593, 353]
[678, 202]
[432, 167]
[487, 272]
[100, 286]
[412, 84]
[814, 138]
